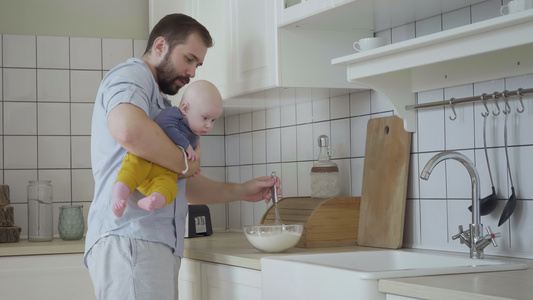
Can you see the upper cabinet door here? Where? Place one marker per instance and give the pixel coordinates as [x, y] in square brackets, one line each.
[215, 15]
[254, 45]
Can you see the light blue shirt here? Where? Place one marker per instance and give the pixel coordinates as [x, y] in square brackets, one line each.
[130, 82]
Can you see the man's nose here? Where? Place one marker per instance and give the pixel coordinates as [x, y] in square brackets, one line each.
[191, 72]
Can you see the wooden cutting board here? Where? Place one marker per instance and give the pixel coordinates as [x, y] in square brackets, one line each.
[384, 190]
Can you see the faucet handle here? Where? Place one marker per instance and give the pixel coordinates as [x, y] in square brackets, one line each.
[459, 234]
[492, 236]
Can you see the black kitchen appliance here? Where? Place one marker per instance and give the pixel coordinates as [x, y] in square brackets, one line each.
[198, 221]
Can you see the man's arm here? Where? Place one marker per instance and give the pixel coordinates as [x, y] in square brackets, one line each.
[141, 136]
[201, 190]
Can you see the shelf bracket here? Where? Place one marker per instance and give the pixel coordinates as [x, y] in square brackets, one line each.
[395, 85]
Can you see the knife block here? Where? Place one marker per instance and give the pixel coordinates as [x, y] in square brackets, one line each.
[329, 222]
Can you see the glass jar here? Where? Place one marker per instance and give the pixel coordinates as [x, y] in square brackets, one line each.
[40, 214]
[324, 173]
[71, 225]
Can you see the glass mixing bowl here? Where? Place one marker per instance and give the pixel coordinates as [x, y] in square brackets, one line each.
[273, 238]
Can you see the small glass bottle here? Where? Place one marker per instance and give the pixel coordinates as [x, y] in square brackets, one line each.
[324, 173]
[40, 214]
[71, 225]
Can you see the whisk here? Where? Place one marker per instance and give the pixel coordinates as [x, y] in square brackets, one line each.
[275, 198]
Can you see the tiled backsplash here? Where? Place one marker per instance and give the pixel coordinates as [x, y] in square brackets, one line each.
[48, 85]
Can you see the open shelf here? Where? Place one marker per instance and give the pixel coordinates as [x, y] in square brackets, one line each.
[491, 49]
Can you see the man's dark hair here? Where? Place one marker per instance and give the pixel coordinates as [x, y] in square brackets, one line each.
[176, 28]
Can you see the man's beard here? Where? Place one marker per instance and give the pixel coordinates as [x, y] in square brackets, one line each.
[167, 78]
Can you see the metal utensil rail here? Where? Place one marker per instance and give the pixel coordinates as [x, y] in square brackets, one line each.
[483, 97]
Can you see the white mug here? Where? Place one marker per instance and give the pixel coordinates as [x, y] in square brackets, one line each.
[515, 6]
[370, 43]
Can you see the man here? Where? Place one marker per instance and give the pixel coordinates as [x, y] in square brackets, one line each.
[138, 255]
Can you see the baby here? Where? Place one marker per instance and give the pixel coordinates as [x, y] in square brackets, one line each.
[200, 106]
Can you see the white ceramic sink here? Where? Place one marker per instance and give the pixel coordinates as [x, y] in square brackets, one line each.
[354, 275]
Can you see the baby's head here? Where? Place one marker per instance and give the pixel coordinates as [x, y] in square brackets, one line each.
[201, 105]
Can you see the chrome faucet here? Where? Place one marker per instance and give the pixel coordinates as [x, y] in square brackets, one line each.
[473, 237]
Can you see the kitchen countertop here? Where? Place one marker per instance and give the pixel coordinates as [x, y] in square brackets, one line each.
[232, 248]
[503, 285]
[56, 246]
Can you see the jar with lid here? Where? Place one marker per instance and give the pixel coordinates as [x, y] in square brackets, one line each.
[40, 211]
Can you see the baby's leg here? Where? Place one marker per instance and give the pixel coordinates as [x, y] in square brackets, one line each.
[121, 192]
[155, 200]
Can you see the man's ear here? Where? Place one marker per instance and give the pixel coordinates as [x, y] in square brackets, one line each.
[160, 46]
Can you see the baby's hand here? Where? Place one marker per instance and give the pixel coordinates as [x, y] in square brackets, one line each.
[191, 154]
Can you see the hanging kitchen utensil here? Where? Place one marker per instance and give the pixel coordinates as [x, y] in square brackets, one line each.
[487, 204]
[511, 202]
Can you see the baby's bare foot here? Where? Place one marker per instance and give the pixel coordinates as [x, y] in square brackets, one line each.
[119, 207]
[151, 202]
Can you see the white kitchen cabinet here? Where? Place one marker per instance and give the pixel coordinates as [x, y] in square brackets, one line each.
[58, 277]
[254, 45]
[251, 53]
[190, 279]
[218, 65]
[209, 281]
[157, 9]
[267, 56]
[294, 10]
[223, 282]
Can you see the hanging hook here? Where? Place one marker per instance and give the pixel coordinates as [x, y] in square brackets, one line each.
[452, 105]
[495, 98]
[507, 108]
[484, 101]
[520, 95]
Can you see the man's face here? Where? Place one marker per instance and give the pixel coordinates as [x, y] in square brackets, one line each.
[179, 65]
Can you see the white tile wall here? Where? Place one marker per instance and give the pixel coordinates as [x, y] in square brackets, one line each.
[52, 52]
[115, 51]
[53, 118]
[20, 84]
[19, 51]
[86, 53]
[53, 85]
[47, 88]
[20, 118]
[83, 84]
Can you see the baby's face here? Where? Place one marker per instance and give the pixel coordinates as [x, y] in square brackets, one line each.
[201, 118]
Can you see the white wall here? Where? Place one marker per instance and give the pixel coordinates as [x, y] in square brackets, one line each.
[79, 18]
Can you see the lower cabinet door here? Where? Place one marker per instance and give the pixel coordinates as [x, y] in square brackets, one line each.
[222, 282]
[190, 280]
[58, 277]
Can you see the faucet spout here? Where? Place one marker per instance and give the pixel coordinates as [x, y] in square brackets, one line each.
[475, 233]
[472, 171]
